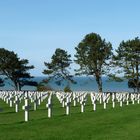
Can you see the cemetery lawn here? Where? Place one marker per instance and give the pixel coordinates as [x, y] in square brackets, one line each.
[110, 124]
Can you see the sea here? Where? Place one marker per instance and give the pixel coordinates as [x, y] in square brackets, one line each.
[83, 83]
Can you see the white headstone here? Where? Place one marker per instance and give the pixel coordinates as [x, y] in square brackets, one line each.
[113, 100]
[67, 105]
[49, 106]
[16, 103]
[26, 107]
[35, 101]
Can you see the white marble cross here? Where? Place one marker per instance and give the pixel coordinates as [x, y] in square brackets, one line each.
[100, 98]
[26, 107]
[35, 101]
[138, 98]
[11, 99]
[82, 102]
[16, 103]
[127, 99]
[39, 98]
[49, 106]
[105, 97]
[93, 99]
[113, 100]
[7, 98]
[121, 100]
[132, 98]
[67, 104]
[63, 100]
[74, 99]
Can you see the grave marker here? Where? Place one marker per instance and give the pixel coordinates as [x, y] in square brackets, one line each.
[49, 106]
[16, 103]
[26, 107]
[67, 105]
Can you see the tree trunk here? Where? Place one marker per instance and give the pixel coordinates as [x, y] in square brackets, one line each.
[17, 86]
[137, 76]
[134, 89]
[99, 82]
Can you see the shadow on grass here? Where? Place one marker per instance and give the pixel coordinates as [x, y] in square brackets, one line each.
[20, 122]
[11, 112]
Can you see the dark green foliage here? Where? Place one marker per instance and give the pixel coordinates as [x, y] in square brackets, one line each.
[29, 83]
[113, 77]
[67, 89]
[127, 60]
[57, 69]
[131, 83]
[1, 83]
[14, 68]
[93, 54]
[43, 87]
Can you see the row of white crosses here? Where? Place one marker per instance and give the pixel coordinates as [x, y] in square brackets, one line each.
[101, 97]
[66, 98]
[126, 97]
[8, 97]
[36, 97]
[15, 97]
[119, 97]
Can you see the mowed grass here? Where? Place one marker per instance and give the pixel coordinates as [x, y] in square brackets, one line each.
[120, 123]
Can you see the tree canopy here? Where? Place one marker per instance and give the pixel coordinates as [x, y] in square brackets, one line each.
[93, 54]
[14, 68]
[127, 59]
[58, 68]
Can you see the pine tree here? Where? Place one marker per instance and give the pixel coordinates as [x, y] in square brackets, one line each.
[93, 54]
[14, 68]
[58, 68]
[127, 59]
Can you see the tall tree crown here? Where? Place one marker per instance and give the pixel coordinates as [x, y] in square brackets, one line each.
[92, 54]
[58, 67]
[13, 67]
[127, 60]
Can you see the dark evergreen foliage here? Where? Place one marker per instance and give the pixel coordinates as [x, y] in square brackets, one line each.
[1, 83]
[93, 54]
[127, 60]
[14, 68]
[58, 68]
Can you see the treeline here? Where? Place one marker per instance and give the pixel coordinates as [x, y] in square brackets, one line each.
[94, 55]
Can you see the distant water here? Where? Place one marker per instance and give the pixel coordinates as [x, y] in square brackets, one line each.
[83, 84]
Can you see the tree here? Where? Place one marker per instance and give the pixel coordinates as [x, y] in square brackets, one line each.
[58, 68]
[67, 89]
[42, 87]
[93, 54]
[127, 59]
[131, 84]
[14, 68]
[1, 83]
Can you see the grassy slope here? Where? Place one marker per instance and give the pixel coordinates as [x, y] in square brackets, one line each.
[110, 124]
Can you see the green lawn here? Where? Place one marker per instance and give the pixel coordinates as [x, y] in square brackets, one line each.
[110, 124]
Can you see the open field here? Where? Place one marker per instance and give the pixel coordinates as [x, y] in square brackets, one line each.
[120, 123]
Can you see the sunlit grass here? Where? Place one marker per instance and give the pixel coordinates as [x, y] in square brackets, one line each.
[120, 123]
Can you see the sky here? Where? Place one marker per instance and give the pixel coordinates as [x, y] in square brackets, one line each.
[35, 28]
